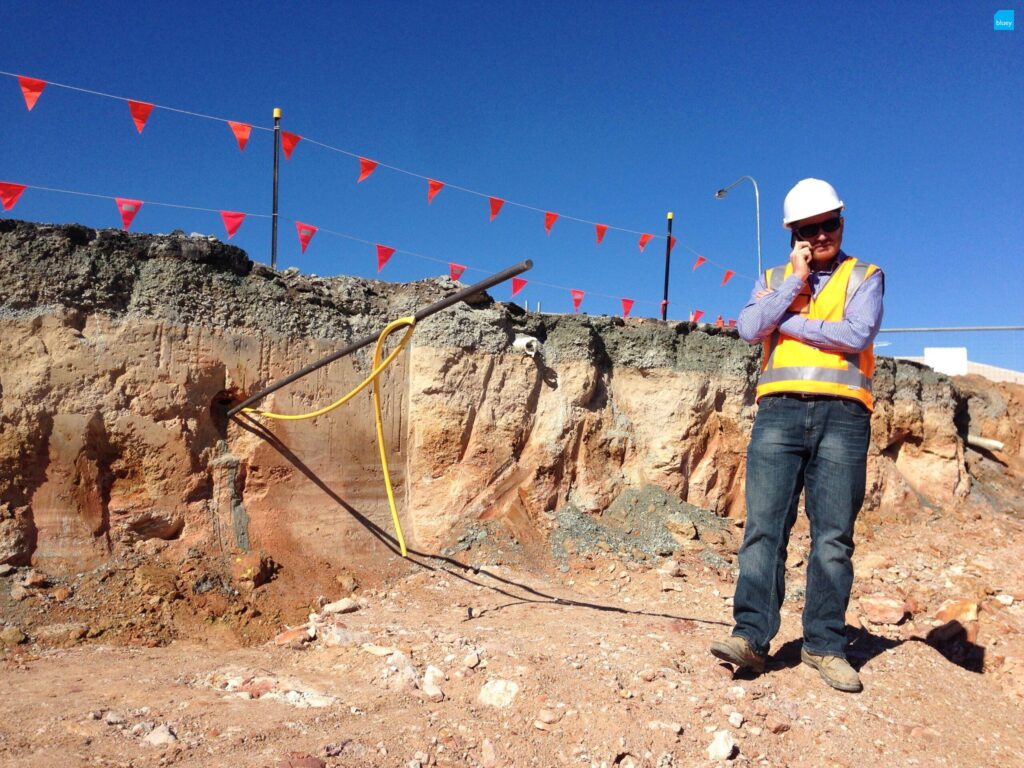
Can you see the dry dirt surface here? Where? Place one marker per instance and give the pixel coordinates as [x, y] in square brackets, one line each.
[472, 663]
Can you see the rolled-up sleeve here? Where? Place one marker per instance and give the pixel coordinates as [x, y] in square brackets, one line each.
[761, 316]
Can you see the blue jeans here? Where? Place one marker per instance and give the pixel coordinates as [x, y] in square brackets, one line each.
[818, 446]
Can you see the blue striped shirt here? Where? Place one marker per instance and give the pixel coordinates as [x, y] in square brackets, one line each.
[858, 328]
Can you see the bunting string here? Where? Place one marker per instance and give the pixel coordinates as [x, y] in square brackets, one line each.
[140, 111]
[232, 219]
[127, 100]
[367, 167]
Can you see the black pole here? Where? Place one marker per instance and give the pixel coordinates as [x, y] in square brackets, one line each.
[277, 153]
[668, 259]
[437, 306]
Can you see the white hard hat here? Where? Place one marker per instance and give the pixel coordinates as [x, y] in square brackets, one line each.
[809, 198]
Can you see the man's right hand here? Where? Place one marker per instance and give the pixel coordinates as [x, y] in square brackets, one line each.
[800, 258]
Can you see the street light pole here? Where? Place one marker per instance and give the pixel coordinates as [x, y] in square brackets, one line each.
[757, 210]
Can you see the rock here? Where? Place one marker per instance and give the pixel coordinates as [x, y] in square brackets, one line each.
[60, 594]
[659, 725]
[300, 760]
[12, 636]
[114, 718]
[400, 673]
[776, 723]
[334, 636]
[471, 660]
[498, 693]
[61, 633]
[1004, 599]
[488, 757]
[18, 592]
[963, 611]
[161, 736]
[671, 567]
[868, 564]
[252, 569]
[722, 747]
[6, 569]
[549, 716]
[879, 609]
[377, 650]
[347, 583]
[345, 605]
[34, 579]
[736, 719]
[295, 637]
[431, 685]
[681, 530]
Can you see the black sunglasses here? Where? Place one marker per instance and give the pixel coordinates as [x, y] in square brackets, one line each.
[807, 231]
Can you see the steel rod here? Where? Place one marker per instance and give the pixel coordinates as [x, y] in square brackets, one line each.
[430, 309]
[961, 328]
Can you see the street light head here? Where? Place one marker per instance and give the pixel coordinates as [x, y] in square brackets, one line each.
[720, 194]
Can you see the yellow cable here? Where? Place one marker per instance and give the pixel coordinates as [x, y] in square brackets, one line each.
[380, 432]
[377, 370]
[409, 323]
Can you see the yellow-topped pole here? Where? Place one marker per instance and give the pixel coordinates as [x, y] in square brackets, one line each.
[277, 151]
[668, 259]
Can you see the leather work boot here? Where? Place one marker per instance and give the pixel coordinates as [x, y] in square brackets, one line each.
[737, 651]
[835, 670]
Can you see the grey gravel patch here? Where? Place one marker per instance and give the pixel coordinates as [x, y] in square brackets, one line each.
[635, 522]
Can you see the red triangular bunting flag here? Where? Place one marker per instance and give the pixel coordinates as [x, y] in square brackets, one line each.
[366, 167]
[718, 322]
[518, 284]
[700, 260]
[728, 274]
[128, 209]
[30, 89]
[232, 221]
[577, 297]
[455, 270]
[644, 240]
[241, 131]
[732, 323]
[549, 220]
[288, 142]
[383, 254]
[10, 193]
[306, 232]
[696, 315]
[627, 305]
[496, 203]
[433, 187]
[601, 229]
[671, 244]
[140, 113]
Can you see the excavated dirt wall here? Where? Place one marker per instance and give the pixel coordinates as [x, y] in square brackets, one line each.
[120, 352]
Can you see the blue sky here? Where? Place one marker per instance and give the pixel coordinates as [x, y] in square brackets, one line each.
[604, 111]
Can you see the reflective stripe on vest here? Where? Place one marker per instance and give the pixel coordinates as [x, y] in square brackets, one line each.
[851, 377]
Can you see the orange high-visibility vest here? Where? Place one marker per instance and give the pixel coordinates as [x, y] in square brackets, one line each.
[790, 365]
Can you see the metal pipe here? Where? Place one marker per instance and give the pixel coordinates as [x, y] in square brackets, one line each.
[987, 443]
[961, 328]
[757, 210]
[437, 306]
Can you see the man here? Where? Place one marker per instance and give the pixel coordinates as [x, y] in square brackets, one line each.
[816, 317]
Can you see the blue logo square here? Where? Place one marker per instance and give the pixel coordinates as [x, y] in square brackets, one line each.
[1003, 21]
